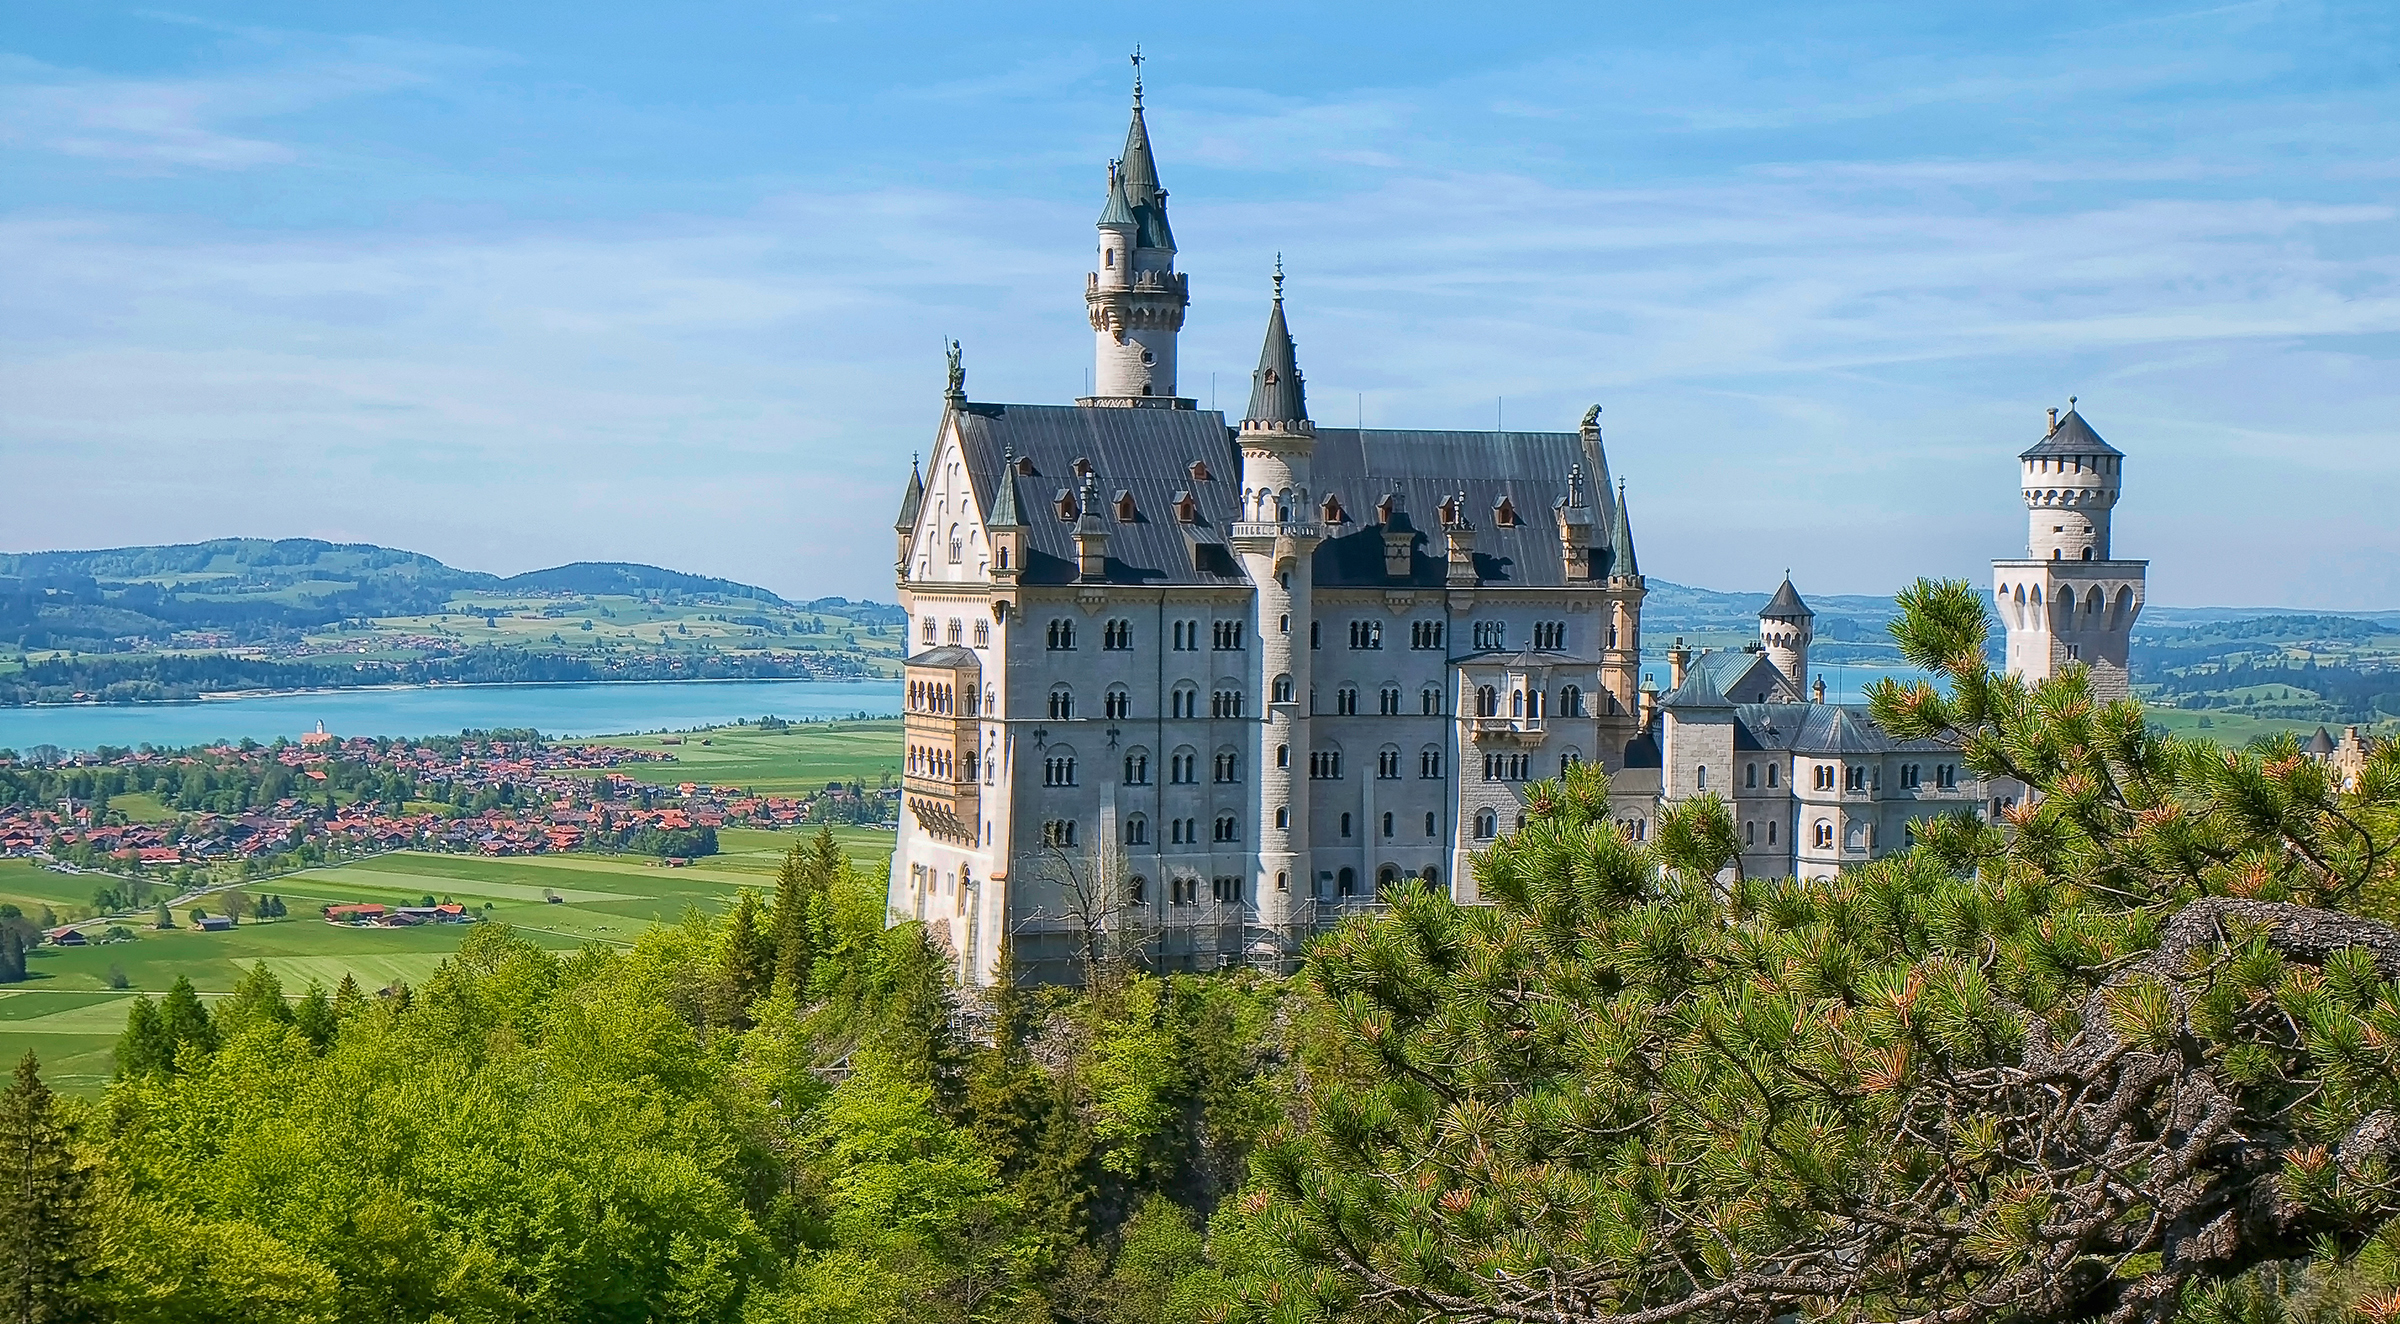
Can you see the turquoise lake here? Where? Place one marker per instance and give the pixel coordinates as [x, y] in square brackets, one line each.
[558, 710]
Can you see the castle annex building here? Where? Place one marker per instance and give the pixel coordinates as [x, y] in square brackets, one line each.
[1202, 685]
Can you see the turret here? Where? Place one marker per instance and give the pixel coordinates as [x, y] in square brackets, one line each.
[911, 502]
[1785, 628]
[2070, 480]
[1134, 295]
[1458, 544]
[1277, 539]
[1007, 524]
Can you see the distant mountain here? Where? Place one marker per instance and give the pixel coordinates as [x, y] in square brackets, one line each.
[253, 588]
[623, 577]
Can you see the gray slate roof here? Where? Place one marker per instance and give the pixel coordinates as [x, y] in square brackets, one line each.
[2071, 437]
[1149, 453]
[1786, 605]
[1146, 452]
[1429, 467]
[1820, 728]
[1276, 394]
[949, 657]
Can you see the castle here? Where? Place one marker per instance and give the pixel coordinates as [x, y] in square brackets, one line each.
[1192, 688]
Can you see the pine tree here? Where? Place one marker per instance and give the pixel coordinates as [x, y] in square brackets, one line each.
[348, 1001]
[184, 1023]
[45, 1215]
[315, 1017]
[257, 999]
[793, 951]
[745, 963]
[143, 1049]
[2077, 1065]
[12, 956]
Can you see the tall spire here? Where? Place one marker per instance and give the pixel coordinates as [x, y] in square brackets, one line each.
[1621, 562]
[1137, 171]
[911, 501]
[1006, 508]
[1277, 398]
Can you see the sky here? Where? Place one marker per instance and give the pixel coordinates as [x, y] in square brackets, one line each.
[528, 283]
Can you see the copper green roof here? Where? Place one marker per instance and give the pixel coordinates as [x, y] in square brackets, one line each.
[1118, 213]
[1620, 540]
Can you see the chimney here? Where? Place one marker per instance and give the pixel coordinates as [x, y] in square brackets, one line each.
[2053, 420]
[1459, 534]
[1091, 534]
[1399, 536]
[1575, 528]
[1819, 689]
[1649, 699]
[1679, 659]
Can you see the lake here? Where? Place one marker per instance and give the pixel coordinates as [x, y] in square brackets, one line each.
[558, 710]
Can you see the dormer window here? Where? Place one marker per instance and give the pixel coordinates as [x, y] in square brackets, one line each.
[1187, 511]
[1199, 471]
[1449, 511]
[1383, 511]
[1066, 504]
[1333, 510]
[1505, 514]
[1025, 466]
[1125, 511]
[1083, 467]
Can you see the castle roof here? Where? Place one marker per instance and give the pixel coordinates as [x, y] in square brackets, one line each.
[1430, 468]
[2321, 743]
[1786, 605]
[1116, 213]
[1820, 728]
[1620, 536]
[1138, 172]
[1744, 676]
[1698, 690]
[2072, 436]
[1007, 509]
[1276, 394]
[947, 657]
[1149, 453]
[911, 501]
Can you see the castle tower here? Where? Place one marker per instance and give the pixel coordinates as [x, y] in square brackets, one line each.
[1621, 659]
[1276, 536]
[1135, 296]
[2068, 601]
[1785, 627]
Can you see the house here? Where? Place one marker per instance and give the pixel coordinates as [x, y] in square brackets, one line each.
[214, 923]
[355, 913]
[66, 936]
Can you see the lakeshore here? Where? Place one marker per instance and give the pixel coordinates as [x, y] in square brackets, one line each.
[581, 709]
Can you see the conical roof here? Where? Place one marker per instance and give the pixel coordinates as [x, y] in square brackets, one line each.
[1005, 504]
[2321, 743]
[1276, 395]
[1137, 170]
[1786, 605]
[1117, 213]
[912, 501]
[2072, 436]
[1620, 540]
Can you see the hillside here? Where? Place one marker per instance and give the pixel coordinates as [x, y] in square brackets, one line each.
[135, 624]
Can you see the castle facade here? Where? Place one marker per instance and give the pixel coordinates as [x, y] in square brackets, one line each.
[1190, 688]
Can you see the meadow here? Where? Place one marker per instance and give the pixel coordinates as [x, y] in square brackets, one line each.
[69, 1011]
[797, 759]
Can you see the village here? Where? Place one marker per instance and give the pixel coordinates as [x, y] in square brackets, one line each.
[148, 822]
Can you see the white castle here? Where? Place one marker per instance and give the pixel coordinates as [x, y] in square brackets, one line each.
[1198, 687]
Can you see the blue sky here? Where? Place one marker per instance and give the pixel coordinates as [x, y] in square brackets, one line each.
[526, 283]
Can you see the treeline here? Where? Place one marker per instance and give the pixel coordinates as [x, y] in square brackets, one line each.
[782, 1114]
[2335, 694]
[150, 678]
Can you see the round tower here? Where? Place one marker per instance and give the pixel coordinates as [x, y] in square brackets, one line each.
[1276, 537]
[2070, 480]
[1135, 296]
[1785, 627]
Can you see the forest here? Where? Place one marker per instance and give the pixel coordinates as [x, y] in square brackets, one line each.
[2131, 1053]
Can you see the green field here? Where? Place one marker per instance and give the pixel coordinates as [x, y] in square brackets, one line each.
[801, 758]
[68, 1013]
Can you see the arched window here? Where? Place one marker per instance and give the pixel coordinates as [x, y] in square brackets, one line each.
[1430, 699]
[1390, 701]
[1345, 701]
[1387, 824]
[1058, 767]
[1431, 829]
[1487, 825]
[1137, 767]
[1118, 703]
[1062, 703]
[1700, 777]
[1185, 701]
[1116, 636]
[1137, 890]
[1228, 828]
[1516, 703]
[1183, 767]
[1429, 762]
[1386, 878]
[1228, 767]
[1487, 701]
[1570, 701]
[1346, 882]
[2087, 554]
[1283, 689]
[1345, 830]
[1387, 763]
[1283, 816]
[1061, 636]
[1137, 831]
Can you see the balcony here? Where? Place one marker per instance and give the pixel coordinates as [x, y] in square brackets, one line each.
[1268, 531]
